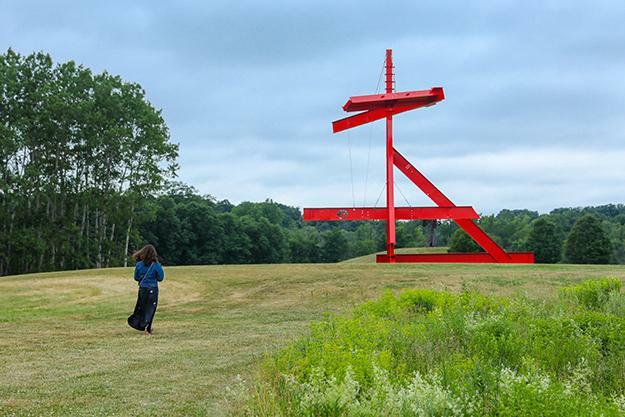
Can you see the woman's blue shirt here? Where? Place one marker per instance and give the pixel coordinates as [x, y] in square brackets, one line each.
[149, 276]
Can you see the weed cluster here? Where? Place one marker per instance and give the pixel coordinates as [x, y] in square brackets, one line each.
[429, 353]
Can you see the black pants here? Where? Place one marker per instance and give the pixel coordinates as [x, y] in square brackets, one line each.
[145, 309]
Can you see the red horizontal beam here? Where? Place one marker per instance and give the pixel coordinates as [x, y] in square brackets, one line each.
[513, 258]
[377, 101]
[381, 213]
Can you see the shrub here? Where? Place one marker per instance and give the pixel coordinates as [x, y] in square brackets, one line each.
[593, 294]
[423, 300]
[430, 353]
[615, 304]
[461, 242]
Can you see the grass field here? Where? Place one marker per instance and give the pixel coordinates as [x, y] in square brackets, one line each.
[66, 349]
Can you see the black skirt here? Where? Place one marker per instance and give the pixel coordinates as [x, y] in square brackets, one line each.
[141, 318]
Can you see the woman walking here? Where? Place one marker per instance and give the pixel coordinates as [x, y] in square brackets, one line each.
[148, 273]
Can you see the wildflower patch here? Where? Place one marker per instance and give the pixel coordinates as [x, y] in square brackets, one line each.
[429, 353]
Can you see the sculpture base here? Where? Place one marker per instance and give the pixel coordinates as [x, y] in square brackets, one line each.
[479, 258]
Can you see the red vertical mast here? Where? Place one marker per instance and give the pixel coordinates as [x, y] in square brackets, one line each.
[390, 184]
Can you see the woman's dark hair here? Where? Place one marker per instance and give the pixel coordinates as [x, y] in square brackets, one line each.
[146, 254]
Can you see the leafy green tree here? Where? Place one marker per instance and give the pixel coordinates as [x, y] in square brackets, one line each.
[543, 240]
[509, 228]
[80, 156]
[463, 243]
[224, 206]
[615, 229]
[163, 229]
[363, 242]
[410, 235]
[276, 213]
[444, 230]
[587, 242]
[203, 234]
[335, 246]
[268, 243]
[304, 245]
[237, 244]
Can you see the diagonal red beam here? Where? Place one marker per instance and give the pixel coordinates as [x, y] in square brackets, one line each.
[381, 213]
[420, 180]
[481, 238]
[371, 116]
[377, 101]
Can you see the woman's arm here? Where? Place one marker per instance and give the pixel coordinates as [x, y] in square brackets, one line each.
[137, 277]
[160, 274]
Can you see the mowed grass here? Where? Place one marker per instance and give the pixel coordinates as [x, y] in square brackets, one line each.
[65, 347]
[371, 258]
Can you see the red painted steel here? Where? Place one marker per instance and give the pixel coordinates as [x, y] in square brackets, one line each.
[385, 106]
[369, 116]
[482, 257]
[421, 98]
[380, 213]
[379, 106]
[441, 199]
[390, 182]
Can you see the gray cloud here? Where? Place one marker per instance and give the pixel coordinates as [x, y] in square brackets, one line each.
[533, 116]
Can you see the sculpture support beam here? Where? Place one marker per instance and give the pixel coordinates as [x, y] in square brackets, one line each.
[380, 213]
[481, 238]
[371, 116]
[482, 258]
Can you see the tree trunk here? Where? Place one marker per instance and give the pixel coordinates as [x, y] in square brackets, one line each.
[111, 239]
[96, 235]
[132, 213]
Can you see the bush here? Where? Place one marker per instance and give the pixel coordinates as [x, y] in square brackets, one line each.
[592, 294]
[461, 242]
[430, 353]
[615, 304]
[422, 300]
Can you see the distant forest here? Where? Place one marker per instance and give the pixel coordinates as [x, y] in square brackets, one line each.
[87, 175]
[188, 228]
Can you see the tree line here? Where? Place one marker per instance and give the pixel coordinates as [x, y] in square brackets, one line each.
[188, 228]
[87, 171]
[589, 235]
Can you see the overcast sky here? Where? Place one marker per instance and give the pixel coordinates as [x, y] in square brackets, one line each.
[534, 115]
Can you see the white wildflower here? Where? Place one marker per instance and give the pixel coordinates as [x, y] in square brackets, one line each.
[619, 401]
[579, 380]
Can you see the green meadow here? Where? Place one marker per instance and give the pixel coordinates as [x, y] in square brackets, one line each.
[66, 349]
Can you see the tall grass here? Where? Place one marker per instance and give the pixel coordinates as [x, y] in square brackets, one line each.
[429, 353]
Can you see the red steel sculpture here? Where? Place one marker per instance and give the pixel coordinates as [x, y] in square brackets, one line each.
[385, 106]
